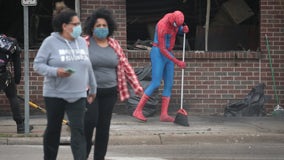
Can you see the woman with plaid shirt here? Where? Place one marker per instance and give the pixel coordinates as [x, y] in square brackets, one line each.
[112, 71]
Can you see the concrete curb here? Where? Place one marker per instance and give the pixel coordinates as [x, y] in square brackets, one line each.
[125, 131]
[161, 139]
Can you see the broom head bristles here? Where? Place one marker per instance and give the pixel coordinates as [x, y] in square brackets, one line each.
[181, 118]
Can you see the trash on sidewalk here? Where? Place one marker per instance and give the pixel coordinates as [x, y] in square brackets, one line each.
[145, 76]
[278, 111]
[251, 105]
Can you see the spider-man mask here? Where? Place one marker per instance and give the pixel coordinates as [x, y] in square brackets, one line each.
[176, 18]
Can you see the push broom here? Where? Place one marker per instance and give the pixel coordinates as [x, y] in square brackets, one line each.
[277, 109]
[181, 116]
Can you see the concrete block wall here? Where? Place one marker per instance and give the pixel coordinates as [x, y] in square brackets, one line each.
[212, 79]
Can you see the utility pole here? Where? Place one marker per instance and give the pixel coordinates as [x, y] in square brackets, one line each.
[26, 4]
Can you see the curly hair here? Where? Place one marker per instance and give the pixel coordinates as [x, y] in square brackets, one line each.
[63, 16]
[100, 13]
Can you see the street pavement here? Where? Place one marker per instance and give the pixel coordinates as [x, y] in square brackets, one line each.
[125, 130]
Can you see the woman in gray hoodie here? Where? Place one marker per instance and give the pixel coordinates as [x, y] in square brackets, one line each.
[63, 60]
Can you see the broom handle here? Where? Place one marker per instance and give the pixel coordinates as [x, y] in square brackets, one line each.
[182, 72]
[272, 70]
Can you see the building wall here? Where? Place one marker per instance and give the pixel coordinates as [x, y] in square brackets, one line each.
[119, 12]
[212, 79]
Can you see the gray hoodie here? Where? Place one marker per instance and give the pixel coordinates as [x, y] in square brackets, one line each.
[57, 52]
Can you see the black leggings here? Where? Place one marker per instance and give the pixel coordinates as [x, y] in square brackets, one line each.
[11, 94]
[98, 116]
[56, 108]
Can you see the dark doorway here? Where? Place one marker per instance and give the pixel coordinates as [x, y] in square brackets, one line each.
[40, 17]
[234, 24]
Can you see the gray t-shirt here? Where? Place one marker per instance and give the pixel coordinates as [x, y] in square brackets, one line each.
[104, 61]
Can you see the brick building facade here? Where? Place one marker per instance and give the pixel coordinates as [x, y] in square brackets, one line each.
[212, 79]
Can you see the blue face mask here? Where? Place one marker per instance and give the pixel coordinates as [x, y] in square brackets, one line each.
[101, 33]
[77, 30]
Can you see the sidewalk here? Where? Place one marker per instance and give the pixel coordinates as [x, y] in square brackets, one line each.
[125, 130]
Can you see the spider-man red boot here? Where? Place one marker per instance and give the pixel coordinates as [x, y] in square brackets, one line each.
[164, 117]
[138, 114]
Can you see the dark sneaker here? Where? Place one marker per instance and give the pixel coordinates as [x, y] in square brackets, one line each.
[21, 128]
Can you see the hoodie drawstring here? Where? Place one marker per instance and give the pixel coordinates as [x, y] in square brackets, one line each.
[68, 44]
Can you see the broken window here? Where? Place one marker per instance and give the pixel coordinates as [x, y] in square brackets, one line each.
[232, 24]
[40, 17]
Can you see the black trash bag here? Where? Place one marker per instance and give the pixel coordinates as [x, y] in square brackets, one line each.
[251, 105]
[145, 77]
[144, 74]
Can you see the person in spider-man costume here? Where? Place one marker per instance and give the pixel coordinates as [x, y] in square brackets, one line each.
[163, 60]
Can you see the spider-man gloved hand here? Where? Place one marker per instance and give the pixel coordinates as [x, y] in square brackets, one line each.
[185, 29]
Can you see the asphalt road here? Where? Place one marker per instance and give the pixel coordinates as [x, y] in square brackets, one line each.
[198, 151]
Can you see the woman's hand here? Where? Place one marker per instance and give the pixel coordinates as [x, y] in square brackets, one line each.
[140, 92]
[91, 98]
[61, 72]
